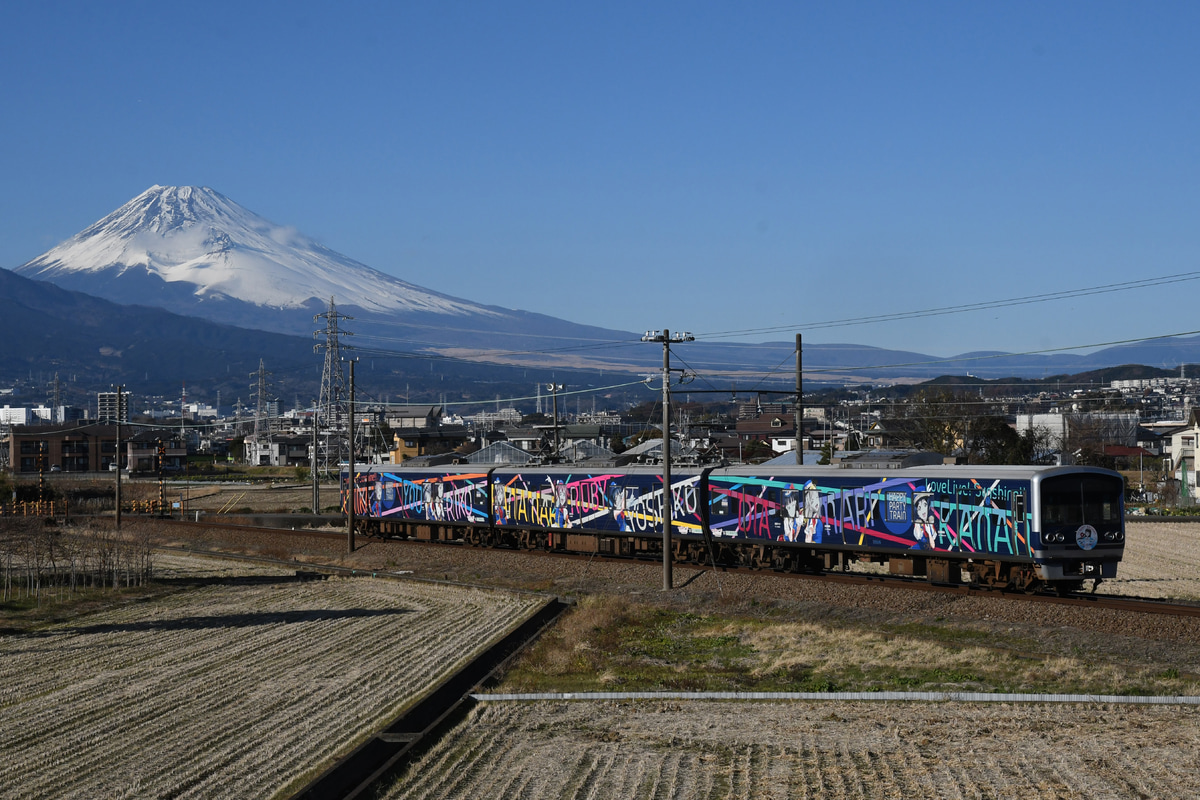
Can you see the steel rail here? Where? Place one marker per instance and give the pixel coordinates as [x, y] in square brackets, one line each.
[1078, 599]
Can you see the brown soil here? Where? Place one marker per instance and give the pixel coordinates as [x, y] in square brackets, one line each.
[816, 749]
[810, 750]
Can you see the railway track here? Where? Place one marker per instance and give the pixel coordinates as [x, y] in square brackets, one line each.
[1080, 600]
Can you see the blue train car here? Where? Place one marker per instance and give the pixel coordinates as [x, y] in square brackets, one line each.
[436, 495]
[1012, 526]
[1046, 524]
[627, 501]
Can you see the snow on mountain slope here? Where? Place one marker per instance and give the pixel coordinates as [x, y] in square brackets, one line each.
[194, 235]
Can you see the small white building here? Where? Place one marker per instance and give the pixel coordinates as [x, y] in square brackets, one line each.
[1184, 445]
[278, 451]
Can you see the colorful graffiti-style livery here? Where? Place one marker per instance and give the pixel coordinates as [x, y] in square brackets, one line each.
[948, 515]
[1065, 521]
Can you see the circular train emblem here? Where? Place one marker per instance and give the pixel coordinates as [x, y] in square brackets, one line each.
[1086, 537]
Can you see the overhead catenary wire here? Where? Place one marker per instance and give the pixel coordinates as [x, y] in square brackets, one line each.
[839, 369]
[986, 305]
[763, 376]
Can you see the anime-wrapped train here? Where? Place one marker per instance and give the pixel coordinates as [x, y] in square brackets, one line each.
[1005, 526]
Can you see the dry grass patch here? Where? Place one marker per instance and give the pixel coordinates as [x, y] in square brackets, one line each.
[610, 643]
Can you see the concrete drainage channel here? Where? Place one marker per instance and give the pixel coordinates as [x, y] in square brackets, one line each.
[364, 769]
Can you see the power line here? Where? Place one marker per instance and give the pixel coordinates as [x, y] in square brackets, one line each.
[834, 370]
[1046, 297]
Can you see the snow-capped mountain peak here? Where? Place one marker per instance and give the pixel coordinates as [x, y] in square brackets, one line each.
[197, 240]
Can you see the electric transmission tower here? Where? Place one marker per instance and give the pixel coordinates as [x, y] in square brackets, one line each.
[331, 412]
[261, 423]
[56, 401]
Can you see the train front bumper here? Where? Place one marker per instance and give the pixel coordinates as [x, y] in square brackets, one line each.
[1073, 569]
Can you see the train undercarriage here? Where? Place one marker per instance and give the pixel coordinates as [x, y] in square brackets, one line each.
[943, 569]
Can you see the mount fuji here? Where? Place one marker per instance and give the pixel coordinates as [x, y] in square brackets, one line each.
[200, 243]
[193, 251]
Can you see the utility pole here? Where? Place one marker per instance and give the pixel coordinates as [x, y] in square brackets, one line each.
[120, 401]
[161, 451]
[555, 388]
[352, 492]
[799, 406]
[668, 495]
[41, 473]
[316, 487]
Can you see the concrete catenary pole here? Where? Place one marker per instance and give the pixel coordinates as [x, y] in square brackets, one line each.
[351, 489]
[668, 497]
[799, 405]
[668, 582]
[120, 394]
[316, 486]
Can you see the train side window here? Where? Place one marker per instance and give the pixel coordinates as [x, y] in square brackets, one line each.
[1019, 508]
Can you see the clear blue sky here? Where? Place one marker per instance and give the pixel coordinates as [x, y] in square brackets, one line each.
[701, 166]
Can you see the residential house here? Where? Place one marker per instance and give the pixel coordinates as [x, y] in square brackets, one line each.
[413, 442]
[404, 418]
[777, 430]
[144, 450]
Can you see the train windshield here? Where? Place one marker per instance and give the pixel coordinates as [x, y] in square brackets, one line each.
[1078, 499]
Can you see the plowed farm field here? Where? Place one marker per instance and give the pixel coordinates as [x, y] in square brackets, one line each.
[241, 684]
[752, 750]
[844, 749]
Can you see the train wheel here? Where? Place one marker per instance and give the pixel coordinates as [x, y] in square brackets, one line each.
[780, 560]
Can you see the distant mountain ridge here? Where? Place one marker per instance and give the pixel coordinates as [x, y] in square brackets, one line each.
[49, 329]
[194, 252]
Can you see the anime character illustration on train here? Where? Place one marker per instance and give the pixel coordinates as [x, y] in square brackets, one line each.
[791, 515]
[810, 521]
[924, 527]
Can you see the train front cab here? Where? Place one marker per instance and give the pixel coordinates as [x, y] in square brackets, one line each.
[1079, 519]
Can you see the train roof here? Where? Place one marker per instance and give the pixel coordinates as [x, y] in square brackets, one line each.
[977, 471]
